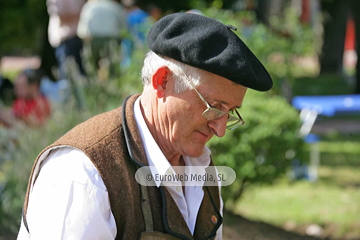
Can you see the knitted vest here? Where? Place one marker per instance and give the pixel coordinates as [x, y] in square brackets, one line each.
[102, 139]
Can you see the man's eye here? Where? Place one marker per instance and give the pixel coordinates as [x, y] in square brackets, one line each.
[216, 105]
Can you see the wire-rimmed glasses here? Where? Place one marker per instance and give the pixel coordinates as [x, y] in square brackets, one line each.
[212, 113]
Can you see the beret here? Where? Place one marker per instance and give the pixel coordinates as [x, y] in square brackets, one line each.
[205, 43]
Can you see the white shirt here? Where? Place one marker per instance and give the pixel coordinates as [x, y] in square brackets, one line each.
[69, 202]
[59, 204]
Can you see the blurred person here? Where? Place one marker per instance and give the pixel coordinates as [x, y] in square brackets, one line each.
[138, 22]
[30, 106]
[56, 90]
[83, 186]
[63, 20]
[49, 65]
[101, 26]
[58, 93]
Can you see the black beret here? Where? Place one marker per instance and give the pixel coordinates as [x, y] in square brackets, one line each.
[207, 44]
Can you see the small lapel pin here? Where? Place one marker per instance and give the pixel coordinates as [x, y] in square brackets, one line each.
[213, 219]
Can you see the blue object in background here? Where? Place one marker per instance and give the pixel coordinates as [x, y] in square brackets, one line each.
[329, 105]
[312, 138]
[137, 20]
[57, 92]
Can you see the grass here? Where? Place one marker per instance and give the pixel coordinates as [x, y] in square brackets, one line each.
[331, 202]
[304, 203]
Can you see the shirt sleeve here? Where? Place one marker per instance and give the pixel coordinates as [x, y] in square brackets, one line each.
[69, 200]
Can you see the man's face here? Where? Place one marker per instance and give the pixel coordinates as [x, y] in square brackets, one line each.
[183, 124]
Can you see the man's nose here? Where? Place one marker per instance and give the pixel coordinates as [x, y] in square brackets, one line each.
[218, 126]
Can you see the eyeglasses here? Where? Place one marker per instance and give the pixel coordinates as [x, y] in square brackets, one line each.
[212, 113]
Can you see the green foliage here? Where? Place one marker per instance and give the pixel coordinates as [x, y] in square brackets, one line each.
[22, 23]
[219, 4]
[18, 150]
[324, 84]
[106, 91]
[278, 46]
[261, 150]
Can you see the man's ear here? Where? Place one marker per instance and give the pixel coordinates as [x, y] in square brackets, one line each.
[160, 80]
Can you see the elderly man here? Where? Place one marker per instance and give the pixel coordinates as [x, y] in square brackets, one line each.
[83, 186]
[63, 21]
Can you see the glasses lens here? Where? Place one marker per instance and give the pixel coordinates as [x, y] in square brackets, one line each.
[233, 123]
[213, 114]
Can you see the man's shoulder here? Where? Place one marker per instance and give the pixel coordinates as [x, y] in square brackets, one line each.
[93, 130]
[82, 170]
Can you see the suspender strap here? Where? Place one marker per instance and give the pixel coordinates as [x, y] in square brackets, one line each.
[146, 209]
[145, 201]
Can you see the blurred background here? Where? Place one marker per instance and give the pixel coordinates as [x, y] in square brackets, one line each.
[297, 158]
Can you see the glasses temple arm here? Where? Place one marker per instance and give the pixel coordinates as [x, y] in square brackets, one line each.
[193, 85]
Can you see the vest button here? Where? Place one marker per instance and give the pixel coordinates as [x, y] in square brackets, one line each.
[213, 219]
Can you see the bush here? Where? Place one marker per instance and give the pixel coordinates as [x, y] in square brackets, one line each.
[261, 150]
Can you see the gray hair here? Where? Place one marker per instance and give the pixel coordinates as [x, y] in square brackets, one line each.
[153, 61]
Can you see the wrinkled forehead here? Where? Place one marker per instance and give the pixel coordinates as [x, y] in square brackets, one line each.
[220, 89]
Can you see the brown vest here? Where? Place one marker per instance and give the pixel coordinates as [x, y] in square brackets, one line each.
[102, 139]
